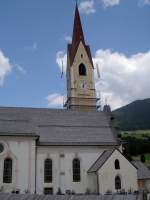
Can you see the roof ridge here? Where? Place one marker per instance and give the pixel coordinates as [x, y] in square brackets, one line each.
[87, 126]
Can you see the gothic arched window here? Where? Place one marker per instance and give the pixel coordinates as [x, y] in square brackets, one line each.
[76, 170]
[117, 164]
[117, 183]
[7, 172]
[48, 171]
[82, 70]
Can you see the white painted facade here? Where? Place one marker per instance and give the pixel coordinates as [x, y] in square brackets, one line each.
[22, 152]
[127, 174]
[25, 155]
[62, 158]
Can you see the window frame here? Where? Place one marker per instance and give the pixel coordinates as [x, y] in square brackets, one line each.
[48, 170]
[76, 169]
[7, 170]
[117, 164]
[117, 182]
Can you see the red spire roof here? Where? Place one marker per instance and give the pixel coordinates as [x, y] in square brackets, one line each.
[77, 37]
[77, 29]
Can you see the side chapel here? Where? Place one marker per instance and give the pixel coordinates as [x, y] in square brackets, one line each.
[75, 149]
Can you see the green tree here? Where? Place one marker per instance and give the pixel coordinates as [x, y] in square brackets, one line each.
[142, 158]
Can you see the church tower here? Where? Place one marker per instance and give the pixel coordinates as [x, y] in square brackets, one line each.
[81, 93]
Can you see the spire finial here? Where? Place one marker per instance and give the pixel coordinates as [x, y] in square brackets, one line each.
[76, 3]
[77, 29]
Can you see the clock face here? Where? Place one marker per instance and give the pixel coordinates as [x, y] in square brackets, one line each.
[83, 86]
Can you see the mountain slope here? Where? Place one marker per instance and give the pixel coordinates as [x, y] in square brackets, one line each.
[134, 116]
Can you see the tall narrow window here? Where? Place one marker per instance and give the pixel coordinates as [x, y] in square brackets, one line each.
[48, 171]
[117, 164]
[117, 183]
[82, 70]
[7, 173]
[76, 170]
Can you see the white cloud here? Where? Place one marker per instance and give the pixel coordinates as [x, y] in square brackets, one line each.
[110, 3]
[142, 3]
[68, 38]
[5, 67]
[61, 59]
[123, 78]
[147, 2]
[87, 7]
[55, 100]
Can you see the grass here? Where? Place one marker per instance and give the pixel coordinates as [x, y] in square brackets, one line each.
[147, 156]
[139, 134]
[142, 135]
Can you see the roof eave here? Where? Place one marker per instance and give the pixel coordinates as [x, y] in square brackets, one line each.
[75, 144]
[19, 135]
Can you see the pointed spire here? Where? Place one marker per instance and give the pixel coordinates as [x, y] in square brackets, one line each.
[77, 37]
[77, 29]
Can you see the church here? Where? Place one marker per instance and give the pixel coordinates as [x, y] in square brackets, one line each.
[74, 150]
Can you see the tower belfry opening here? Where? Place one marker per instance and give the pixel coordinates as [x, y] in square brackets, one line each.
[80, 71]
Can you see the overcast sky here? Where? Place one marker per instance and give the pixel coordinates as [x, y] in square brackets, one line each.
[33, 41]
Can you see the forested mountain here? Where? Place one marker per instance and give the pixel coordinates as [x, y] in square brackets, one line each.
[134, 116]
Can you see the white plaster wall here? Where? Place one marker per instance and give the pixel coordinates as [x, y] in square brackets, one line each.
[22, 152]
[62, 168]
[93, 182]
[127, 173]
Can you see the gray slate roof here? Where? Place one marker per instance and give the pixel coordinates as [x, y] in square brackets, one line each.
[58, 126]
[66, 197]
[13, 127]
[142, 171]
[101, 160]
